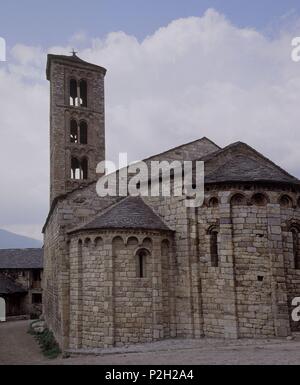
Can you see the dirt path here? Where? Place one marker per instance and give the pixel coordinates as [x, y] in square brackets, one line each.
[19, 347]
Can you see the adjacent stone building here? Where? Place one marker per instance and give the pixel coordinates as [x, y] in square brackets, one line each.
[21, 272]
[121, 270]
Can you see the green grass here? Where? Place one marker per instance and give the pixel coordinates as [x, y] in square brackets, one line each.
[47, 342]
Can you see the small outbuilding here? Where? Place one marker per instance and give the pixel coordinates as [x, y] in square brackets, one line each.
[20, 283]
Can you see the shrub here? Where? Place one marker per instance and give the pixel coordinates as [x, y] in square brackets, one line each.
[47, 342]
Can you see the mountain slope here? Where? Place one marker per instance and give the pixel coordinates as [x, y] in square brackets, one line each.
[10, 240]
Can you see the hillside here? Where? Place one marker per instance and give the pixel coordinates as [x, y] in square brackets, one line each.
[10, 240]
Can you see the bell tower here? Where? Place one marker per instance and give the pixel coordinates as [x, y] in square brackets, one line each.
[77, 122]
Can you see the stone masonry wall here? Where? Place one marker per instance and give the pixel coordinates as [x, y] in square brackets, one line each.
[291, 215]
[263, 279]
[212, 279]
[248, 295]
[252, 271]
[80, 207]
[61, 113]
[55, 277]
[109, 303]
[173, 211]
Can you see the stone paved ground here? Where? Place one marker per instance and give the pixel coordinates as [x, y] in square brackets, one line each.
[18, 347]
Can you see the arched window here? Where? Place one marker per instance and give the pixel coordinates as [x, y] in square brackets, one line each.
[98, 242]
[213, 202]
[147, 242]
[214, 252]
[132, 241]
[79, 169]
[73, 131]
[286, 202]
[165, 246]
[296, 251]
[259, 199]
[238, 200]
[75, 169]
[117, 246]
[78, 93]
[87, 242]
[84, 168]
[73, 93]
[141, 263]
[83, 93]
[83, 132]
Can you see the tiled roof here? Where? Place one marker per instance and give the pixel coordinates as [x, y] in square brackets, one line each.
[242, 168]
[130, 213]
[7, 286]
[73, 59]
[203, 145]
[21, 259]
[241, 163]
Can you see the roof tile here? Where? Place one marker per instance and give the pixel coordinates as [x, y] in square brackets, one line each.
[21, 259]
[130, 213]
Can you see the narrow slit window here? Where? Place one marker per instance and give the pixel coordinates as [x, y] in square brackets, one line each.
[214, 248]
[83, 93]
[141, 264]
[73, 93]
[73, 131]
[84, 168]
[75, 169]
[296, 254]
[83, 132]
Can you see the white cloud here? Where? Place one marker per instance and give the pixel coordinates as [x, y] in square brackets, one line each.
[197, 76]
[79, 37]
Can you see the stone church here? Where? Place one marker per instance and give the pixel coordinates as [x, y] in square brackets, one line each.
[124, 270]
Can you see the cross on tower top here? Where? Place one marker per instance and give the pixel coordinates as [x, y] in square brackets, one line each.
[74, 52]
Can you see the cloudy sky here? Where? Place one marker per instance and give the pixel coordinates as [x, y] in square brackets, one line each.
[177, 70]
